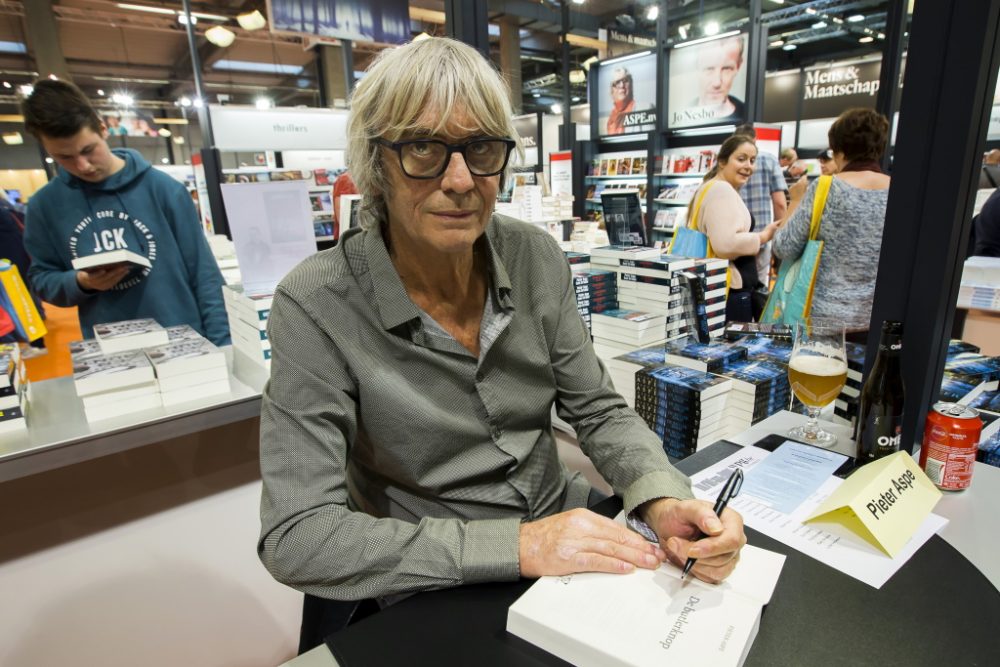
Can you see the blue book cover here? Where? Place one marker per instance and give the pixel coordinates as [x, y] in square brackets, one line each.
[988, 400]
[687, 378]
[855, 355]
[979, 366]
[956, 347]
[714, 355]
[953, 387]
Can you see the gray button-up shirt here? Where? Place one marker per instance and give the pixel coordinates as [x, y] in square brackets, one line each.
[394, 460]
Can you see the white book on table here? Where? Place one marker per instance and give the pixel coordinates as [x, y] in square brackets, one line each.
[193, 379]
[122, 408]
[649, 617]
[119, 395]
[130, 335]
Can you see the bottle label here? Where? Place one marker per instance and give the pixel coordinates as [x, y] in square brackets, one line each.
[881, 435]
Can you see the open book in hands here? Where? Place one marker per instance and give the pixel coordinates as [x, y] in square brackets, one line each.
[648, 617]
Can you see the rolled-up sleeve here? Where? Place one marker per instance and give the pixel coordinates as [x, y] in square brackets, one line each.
[790, 240]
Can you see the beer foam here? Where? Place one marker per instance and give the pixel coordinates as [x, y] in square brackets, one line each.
[813, 364]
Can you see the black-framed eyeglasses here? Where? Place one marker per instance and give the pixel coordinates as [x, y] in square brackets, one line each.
[428, 158]
[621, 83]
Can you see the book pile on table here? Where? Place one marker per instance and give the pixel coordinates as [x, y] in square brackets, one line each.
[13, 390]
[248, 314]
[578, 261]
[188, 368]
[596, 292]
[709, 357]
[624, 367]
[127, 335]
[684, 407]
[618, 331]
[115, 384]
[847, 403]
[975, 366]
[713, 273]
[760, 389]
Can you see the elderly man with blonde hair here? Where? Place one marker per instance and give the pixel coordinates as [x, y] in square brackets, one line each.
[406, 436]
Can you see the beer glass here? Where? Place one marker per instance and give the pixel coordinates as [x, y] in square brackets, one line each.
[817, 371]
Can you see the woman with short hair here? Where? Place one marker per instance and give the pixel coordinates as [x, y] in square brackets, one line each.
[852, 221]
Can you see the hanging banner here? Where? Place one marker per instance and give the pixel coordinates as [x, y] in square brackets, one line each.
[382, 21]
[626, 103]
[246, 128]
[825, 90]
[707, 83]
[528, 130]
[561, 173]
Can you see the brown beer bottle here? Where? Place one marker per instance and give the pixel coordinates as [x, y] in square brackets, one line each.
[880, 415]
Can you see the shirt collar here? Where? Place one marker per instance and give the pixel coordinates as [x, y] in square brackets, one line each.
[391, 300]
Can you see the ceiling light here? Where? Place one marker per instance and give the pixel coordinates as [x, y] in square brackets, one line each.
[789, 47]
[652, 13]
[26, 89]
[837, 20]
[184, 101]
[577, 76]
[252, 20]
[53, 77]
[164, 132]
[778, 42]
[220, 36]
[867, 39]
[536, 95]
[683, 31]
[183, 19]
[711, 28]
[855, 18]
[197, 103]
[122, 99]
[210, 17]
[179, 140]
[579, 2]
[146, 8]
[421, 37]
[13, 138]
[263, 103]
[881, 35]
[778, 2]
[810, 10]
[819, 25]
[164, 160]
[49, 160]
[100, 91]
[576, 99]
[6, 84]
[556, 108]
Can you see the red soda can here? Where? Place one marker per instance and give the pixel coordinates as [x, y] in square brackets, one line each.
[951, 440]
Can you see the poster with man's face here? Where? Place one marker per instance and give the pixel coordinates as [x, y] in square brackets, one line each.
[708, 83]
[626, 100]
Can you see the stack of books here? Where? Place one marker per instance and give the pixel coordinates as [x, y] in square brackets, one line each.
[596, 292]
[624, 368]
[578, 261]
[847, 403]
[713, 273]
[13, 391]
[684, 407]
[188, 369]
[618, 331]
[112, 385]
[975, 366]
[128, 335]
[708, 357]
[248, 315]
[955, 387]
[760, 389]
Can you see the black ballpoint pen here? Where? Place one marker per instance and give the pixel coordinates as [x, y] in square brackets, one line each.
[729, 491]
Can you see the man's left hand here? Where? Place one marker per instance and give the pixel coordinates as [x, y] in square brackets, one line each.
[689, 528]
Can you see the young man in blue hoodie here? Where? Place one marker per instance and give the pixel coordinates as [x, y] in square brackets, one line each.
[104, 200]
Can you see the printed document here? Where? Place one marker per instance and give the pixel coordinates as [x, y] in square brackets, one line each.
[826, 542]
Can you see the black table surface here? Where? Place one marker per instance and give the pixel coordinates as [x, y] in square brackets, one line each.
[938, 609]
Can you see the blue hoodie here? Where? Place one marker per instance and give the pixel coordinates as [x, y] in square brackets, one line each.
[139, 209]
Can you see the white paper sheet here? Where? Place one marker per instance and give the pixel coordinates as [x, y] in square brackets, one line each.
[828, 543]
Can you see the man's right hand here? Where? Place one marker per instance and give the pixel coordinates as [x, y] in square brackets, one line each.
[103, 278]
[581, 541]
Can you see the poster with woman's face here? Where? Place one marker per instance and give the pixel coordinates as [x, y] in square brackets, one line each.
[707, 83]
[626, 101]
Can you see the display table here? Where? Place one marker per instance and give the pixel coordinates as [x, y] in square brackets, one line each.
[59, 434]
[817, 615]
